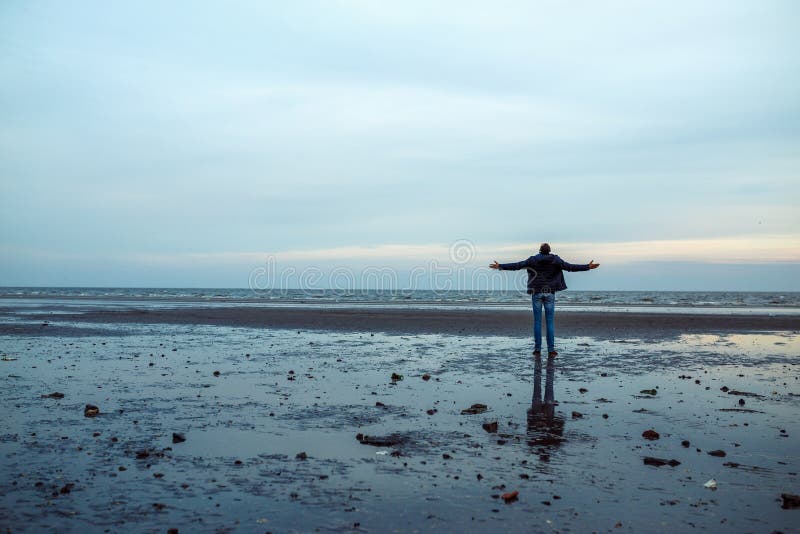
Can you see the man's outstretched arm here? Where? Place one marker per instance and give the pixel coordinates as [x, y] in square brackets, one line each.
[509, 266]
[574, 267]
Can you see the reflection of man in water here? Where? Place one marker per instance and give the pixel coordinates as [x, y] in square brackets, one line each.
[544, 426]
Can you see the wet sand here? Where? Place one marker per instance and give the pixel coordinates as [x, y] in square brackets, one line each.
[400, 320]
[250, 398]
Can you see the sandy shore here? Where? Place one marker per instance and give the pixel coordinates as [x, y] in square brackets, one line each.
[268, 415]
[480, 322]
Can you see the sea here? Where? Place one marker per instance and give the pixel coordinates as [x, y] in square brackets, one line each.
[734, 302]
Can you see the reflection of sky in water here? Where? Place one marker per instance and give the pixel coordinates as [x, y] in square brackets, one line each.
[773, 343]
[227, 418]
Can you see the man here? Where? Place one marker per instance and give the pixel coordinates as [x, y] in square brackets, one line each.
[545, 277]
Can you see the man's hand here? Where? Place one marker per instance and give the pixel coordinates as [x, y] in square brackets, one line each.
[593, 265]
[494, 265]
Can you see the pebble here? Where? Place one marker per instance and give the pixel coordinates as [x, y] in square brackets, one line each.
[650, 434]
[490, 427]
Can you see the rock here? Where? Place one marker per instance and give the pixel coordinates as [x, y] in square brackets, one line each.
[178, 437]
[583, 390]
[741, 402]
[66, 488]
[426, 377]
[745, 394]
[380, 441]
[790, 501]
[55, 395]
[711, 484]
[90, 410]
[474, 409]
[724, 389]
[431, 411]
[159, 506]
[605, 416]
[447, 456]
[301, 456]
[510, 496]
[733, 465]
[685, 443]
[216, 373]
[142, 454]
[650, 434]
[659, 462]
[718, 453]
[491, 428]
[649, 392]
[172, 531]
[396, 377]
[577, 415]
[379, 404]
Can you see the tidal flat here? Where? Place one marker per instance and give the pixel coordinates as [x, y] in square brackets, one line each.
[243, 429]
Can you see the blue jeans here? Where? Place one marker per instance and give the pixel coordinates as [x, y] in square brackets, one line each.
[549, 302]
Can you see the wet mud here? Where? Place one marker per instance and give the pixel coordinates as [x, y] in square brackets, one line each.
[301, 430]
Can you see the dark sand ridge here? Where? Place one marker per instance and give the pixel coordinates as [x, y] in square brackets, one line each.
[603, 325]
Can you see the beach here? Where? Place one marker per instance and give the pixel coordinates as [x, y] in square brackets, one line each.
[274, 267]
[288, 418]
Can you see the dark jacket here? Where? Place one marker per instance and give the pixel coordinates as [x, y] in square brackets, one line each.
[545, 272]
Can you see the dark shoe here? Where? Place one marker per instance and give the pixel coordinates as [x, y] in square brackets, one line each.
[552, 354]
[537, 353]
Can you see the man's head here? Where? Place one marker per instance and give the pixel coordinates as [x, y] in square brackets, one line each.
[544, 248]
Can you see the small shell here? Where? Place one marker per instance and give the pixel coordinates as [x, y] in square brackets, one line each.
[711, 484]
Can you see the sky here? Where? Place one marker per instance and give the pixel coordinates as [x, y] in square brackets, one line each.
[192, 144]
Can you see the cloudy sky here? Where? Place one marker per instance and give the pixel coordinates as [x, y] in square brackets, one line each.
[188, 143]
